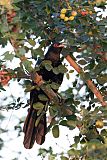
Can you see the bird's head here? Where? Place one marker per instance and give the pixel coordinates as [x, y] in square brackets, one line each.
[56, 48]
[53, 53]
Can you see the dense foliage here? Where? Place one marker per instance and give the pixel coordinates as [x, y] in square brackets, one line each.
[27, 23]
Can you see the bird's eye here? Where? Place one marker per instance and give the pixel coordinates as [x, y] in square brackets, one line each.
[55, 45]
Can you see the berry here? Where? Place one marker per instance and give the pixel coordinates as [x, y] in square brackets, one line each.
[4, 78]
[62, 16]
[66, 19]
[71, 18]
[99, 124]
[64, 10]
[90, 12]
[74, 13]
[84, 13]
[90, 33]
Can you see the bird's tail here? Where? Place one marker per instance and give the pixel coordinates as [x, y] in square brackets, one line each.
[35, 128]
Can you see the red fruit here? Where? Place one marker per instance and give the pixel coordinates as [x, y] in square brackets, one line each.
[13, 14]
[84, 13]
[15, 28]
[79, 126]
[4, 78]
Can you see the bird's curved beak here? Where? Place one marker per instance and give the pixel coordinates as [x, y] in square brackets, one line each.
[59, 45]
[63, 44]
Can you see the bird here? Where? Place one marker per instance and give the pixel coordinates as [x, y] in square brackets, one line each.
[35, 125]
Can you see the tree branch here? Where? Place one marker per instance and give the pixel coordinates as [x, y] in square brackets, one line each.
[88, 82]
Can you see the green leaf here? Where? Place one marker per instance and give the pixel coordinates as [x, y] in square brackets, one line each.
[52, 112]
[1, 117]
[51, 157]
[21, 52]
[4, 28]
[55, 131]
[64, 158]
[42, 97]
[62, 69]
[85, 76]
[1, 143]
[71, 123]
[77, 139]
[39, 112]
[55, 70]
[20, 36]
[48, 67]
[102, 79]
[38, 105]
[82, 62]
[8, 56]
[1, 88]
[67, 76]
[63, 123]
[30, 88]
[73, 152]
[28, 65]
[71, 71]
[54, 85]
[71, 117]
[18, 99]
[37, 51]
[47, 9]
[104, 132]
[47, 64]
[32, 42]
[99, 68]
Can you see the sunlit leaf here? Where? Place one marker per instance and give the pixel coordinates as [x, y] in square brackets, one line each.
[55, 131]
[31, 42]
[63, 123]
[64, 158]
[102, 79]
[38, 105]
[67, 76]
[55, 70]
[42, 97]
[77, 139]
[71, 123]
[62, 69]
[28, 65]
[8, 56]
[54, 86]
[82, 62]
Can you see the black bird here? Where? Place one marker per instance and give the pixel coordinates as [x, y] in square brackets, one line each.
[35, 126]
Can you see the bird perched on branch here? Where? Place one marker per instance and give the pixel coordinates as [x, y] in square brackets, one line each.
[35, 126]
